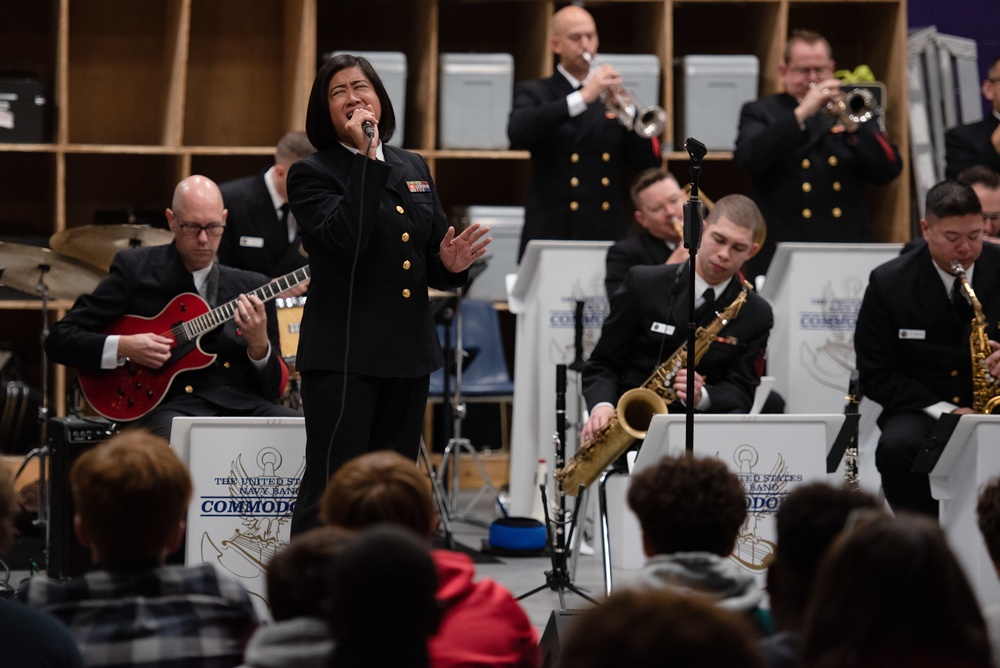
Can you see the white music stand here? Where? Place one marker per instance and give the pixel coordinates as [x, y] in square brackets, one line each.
[772, 454]
[246, 474]
[969, 460]
[552, 277]
[815, 291]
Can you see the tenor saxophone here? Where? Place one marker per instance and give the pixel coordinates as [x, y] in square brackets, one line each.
[636, 408]
[985, 387]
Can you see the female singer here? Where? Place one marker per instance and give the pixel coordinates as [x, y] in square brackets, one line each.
[377, 237]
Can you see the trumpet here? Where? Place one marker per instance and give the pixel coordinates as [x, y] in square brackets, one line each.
[646, 121]
[856, 107]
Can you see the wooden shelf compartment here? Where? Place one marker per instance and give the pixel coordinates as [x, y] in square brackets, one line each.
[99, 185]
[29, 194]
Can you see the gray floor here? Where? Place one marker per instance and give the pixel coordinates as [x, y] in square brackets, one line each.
[521, 575]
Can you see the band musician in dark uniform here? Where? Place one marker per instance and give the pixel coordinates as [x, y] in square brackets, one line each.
[649, 316]
[578, 152]
[377, 237]
[247, 375]
[913, 337]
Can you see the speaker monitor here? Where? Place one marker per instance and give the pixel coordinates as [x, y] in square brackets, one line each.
[68, 439]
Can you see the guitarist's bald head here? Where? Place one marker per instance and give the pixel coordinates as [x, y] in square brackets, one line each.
[196, 187]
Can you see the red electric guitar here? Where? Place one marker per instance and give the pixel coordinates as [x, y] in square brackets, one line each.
[131, 390]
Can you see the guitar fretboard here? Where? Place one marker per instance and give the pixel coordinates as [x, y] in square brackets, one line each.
[206, 322]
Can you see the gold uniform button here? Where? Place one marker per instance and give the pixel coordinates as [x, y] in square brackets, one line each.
[837, 213]
[575, 157]
[405, 237]
[225, 365]
[807, 187]
[189, 389]
[399, 209]
[606, 157]
[807, 213]
[605, 206]
[805, 163]
[956, 400]
[832, 161]
[406, 293]
[406, 264]
[573, 206]
[954, 373]
[605, 182]
[836, 186]
[574, 182]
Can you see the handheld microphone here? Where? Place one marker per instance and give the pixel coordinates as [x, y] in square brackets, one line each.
[369, 129]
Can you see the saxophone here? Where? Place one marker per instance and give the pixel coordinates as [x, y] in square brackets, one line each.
[636, 408]
[985, 387]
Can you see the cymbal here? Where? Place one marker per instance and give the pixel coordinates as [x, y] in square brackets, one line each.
[24, 267]
[97, 244]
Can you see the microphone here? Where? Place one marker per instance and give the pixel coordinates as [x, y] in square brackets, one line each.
[369, 129]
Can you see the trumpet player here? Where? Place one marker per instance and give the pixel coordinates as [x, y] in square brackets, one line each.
[578, 149]
[913, 337]
[649, 316]
[808, 168]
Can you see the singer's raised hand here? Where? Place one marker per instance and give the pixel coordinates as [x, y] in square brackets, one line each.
[459, 252]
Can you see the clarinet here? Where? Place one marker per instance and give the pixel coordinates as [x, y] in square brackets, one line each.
[851, 474]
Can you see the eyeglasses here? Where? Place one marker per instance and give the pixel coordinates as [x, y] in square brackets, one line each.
[995, 217]
[193, 229]
[805, 71]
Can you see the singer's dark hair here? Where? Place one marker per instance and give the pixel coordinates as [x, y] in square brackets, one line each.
[319, 125]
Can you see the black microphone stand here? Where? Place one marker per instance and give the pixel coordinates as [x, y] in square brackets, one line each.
[692, 240]
[560, 530]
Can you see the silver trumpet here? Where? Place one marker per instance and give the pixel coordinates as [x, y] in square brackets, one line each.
[857, 106]
[618, 100]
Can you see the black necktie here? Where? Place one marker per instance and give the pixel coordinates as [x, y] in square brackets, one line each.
[706, 306]
[962, 307]
[284, 217]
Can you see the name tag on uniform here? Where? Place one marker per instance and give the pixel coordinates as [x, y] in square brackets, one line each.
[418, 186]
[919, 334]
[252, 242]
[661, 328]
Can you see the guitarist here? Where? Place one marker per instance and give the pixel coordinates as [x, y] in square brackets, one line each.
[246, 376]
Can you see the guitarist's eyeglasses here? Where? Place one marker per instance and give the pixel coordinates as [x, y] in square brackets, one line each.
[193, 229]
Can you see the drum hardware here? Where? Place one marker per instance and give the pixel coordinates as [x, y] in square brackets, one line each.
[97, 245]
[41, 272]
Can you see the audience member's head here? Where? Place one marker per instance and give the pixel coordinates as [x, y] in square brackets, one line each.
[382, 608]
[659, 628]
[131, 495]
[986, 184]
[988, 515]
[808, 521]
[688, 504]
[297, 575]
[381, 487]
[890, 591]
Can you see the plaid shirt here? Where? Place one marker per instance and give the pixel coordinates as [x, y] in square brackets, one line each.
[169, 616]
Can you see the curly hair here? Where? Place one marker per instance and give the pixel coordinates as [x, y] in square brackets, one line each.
[688, 504]
[381, 487]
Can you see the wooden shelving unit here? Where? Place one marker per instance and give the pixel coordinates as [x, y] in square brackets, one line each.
[145, 93]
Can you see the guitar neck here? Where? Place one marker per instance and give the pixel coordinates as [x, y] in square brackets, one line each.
[226, 312]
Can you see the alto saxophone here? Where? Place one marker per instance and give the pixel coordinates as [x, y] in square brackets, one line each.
[985, 387]
[636, 408]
